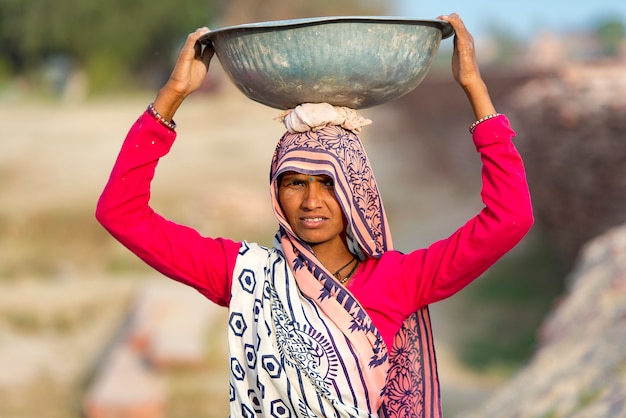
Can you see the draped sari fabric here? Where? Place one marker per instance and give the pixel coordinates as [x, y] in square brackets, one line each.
[288, 359]
[401, 382]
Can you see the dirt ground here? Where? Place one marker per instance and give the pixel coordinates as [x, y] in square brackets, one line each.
[55, 158]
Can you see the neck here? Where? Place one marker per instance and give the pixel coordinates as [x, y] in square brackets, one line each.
[333, 258]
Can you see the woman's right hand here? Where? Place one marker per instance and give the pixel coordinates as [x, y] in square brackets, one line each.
[188, 75]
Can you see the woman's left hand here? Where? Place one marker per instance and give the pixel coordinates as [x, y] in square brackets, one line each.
[465, 68]
[464, 64]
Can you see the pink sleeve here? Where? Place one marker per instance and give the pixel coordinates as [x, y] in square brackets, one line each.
[448, 265]
[174, 250]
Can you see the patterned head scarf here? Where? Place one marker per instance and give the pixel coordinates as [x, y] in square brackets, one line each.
[325, 147]
[339, 154]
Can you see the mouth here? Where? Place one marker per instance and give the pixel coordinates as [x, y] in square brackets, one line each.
[312, 222]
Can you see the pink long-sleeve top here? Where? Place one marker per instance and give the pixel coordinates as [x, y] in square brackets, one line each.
[389, 288]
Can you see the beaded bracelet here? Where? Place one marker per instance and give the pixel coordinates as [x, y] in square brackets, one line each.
[170, 125]
[481, 120]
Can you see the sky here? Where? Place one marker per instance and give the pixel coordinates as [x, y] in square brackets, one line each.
[522, 18]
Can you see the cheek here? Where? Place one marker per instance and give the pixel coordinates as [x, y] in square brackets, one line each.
[338, 210]
[332, 200]
[285, 201]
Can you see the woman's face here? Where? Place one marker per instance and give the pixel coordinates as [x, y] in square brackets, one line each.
[311, 208]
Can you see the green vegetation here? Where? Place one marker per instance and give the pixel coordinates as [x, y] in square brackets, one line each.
[48, 243]
[507, 306]
[25, 321]
[611, 34]
[587, 397]
[114, 42]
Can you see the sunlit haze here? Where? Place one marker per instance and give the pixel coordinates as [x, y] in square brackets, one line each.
[521, 17]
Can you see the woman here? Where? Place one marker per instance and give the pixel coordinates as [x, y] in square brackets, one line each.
[330, 321]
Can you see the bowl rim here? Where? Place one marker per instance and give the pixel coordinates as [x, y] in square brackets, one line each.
[445, 27]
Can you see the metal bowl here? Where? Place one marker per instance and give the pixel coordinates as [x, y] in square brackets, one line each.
[354, 61]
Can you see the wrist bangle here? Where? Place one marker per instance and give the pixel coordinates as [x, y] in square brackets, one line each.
[481, 120]
[170, 125]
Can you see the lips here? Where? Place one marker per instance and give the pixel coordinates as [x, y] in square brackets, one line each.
[313, 222]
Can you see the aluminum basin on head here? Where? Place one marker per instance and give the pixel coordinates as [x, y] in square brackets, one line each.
[356, 62]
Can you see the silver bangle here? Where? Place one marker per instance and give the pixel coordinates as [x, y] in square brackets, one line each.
[170, 125]
[481, 120]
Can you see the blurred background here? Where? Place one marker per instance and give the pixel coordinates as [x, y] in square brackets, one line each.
[86, 330]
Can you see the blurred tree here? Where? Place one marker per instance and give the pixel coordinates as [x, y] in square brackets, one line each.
[122, 43]
[111, 40]
[611, 34]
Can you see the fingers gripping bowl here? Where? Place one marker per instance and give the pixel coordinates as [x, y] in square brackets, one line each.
[357, 62]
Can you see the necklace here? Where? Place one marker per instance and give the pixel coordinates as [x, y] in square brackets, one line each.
[345, 279]
[347, 276]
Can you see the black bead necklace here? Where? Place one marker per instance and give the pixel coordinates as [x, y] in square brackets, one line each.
[337, 273]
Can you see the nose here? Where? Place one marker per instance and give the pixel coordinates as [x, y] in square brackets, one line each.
[313, 197]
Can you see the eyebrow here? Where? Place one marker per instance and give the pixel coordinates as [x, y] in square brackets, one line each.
[305, 176]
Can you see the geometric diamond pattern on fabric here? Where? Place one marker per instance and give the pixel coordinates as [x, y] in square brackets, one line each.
[244, 248]
[247, 281]
[247, 412]
[236, 370]
[254, 398]
[272, 366]
[250, 353]
[258, 305]
[266, 291]
[279, 409]
[237, 324]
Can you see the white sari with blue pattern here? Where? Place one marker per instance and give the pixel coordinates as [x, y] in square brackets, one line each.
[285, 354]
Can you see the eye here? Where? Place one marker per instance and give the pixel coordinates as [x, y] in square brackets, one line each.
[292, 181]
[327, 181]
